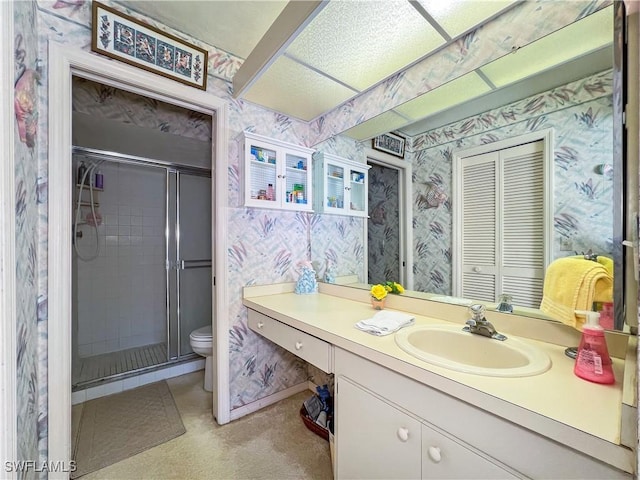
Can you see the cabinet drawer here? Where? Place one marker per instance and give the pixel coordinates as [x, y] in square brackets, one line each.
[311, 349]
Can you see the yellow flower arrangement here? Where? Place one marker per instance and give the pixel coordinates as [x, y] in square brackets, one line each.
[378, 291]
[394, 287]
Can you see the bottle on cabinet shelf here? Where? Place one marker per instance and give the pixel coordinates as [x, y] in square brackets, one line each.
[82, 170]
[99, 180]
[270, 193]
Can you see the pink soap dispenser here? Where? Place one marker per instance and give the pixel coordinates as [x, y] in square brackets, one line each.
[593, 362]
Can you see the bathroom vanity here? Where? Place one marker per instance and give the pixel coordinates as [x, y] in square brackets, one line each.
[397, 416]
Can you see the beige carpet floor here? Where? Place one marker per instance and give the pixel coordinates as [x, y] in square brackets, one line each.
[272, 443]
[119, 426]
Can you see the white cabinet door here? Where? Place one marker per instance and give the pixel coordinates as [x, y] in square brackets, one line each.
[374, 439]
[443, 457]
[276, 174]
[341, 186]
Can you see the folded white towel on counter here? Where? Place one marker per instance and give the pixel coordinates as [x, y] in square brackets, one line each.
[385, 322]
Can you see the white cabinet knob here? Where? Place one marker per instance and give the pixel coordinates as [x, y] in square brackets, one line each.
[477, 269]
[298, 345]
[403, 434]
[434, 454]
[260, 324]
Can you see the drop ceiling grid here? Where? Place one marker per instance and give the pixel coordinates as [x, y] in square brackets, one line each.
[456, 17]
[459, 90]
[384, 122]
[362, 46]
[288, 86]
[521, 23]
[579, 38]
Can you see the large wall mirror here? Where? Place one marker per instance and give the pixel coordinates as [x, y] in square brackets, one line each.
[579, 99]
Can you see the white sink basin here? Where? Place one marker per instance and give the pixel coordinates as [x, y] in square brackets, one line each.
[450, 347]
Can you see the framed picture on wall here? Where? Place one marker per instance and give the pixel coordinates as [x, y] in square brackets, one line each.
[390, 143]
[122, 37]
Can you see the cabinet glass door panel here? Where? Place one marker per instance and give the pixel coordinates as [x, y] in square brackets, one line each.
[297, 189]
[335, 186]
[276, 174]
[263, 173]
[357, 190]
[194, 255]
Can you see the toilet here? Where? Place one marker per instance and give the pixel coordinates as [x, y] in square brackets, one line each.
[201, 340]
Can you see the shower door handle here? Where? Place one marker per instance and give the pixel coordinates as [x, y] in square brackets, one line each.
[186, 264]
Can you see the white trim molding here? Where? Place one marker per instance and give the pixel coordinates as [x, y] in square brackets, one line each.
[64, 62]
[8, 366]
[405, 170]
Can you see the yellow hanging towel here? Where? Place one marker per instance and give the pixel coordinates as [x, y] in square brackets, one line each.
[573, 283]
[606, 262]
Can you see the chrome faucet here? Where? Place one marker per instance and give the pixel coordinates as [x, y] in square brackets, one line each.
[481, 326]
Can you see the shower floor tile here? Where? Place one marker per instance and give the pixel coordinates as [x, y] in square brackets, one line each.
[99, 366]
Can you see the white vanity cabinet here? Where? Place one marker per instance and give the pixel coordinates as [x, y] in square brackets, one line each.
[394, 419]
[277, 174]
[341, 185]
[376, 439]
[375, 408]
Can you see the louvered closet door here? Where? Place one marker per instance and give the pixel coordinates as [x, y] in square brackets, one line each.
[479, 225]
[522, 227]
[503, 225]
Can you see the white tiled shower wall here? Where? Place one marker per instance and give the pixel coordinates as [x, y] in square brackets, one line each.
[121, 294]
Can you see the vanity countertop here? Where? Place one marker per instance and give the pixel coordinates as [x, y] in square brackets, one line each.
[555, 404]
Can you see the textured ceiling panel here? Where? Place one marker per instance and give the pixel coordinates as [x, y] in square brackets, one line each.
[362, 42]
[383, 123]
[296, 90]
[235, 27]
[452, 93]
[458, 16]
[579, 38]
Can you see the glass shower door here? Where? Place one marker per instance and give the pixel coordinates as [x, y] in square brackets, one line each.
[194, 246]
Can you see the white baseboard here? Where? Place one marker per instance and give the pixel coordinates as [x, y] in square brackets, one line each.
[269, 400]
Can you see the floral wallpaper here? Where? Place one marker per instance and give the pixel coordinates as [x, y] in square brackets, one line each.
[581, 115]
[264, 246]
[31, 255]
[104, 101]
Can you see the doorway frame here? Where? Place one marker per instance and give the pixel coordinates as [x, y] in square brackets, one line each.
[405, 171]
[65, 62]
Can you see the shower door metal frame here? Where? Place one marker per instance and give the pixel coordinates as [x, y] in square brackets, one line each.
[170, 264]
[179, 263]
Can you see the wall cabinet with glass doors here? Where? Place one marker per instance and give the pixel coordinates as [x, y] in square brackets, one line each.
[277, 174]
[341, 185]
